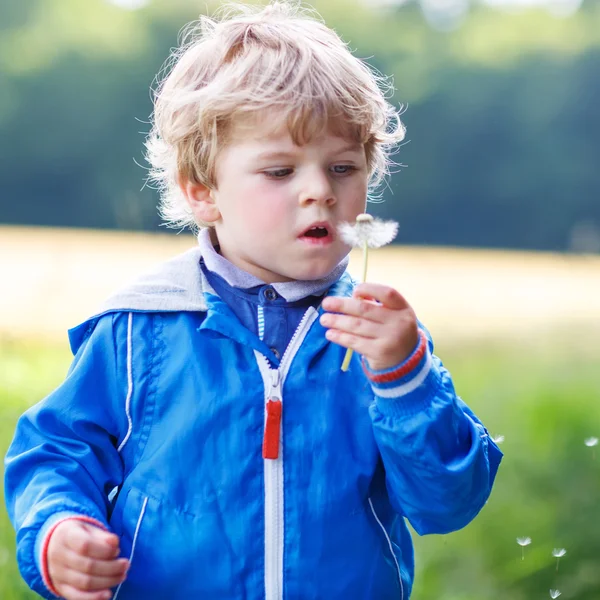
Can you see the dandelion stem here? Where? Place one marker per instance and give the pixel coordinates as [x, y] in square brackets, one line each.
[365, 248]
[347, 358]
[365, 261]
[522, 553]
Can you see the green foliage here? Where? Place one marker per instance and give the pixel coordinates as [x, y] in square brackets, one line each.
[542, 395]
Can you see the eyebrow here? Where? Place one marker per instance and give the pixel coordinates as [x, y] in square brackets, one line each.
[274, 155]
[279, 154]
[353, 147]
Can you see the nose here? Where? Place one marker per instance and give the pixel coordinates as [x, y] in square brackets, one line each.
[316, 188]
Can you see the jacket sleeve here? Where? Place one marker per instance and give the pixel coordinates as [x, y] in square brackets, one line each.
[439, 460]
[63, 460]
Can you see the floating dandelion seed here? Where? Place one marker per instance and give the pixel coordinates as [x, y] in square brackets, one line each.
[523, 541]
[498, 439]
[558, 553]
[554, 593]
[366, 233]
[591, 442]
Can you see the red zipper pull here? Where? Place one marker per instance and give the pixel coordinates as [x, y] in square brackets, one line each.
[272, 429]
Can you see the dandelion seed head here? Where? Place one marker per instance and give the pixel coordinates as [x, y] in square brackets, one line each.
[558, 552]
[498, 439]
[554, 593]
[591, 442]
[368, 230]
[523, 541]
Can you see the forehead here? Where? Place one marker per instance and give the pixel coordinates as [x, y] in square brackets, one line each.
[272, 127]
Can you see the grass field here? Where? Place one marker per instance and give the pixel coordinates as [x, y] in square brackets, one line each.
[520, 333]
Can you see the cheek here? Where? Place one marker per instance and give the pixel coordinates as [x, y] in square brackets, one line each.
[264, 208]
[355, 198]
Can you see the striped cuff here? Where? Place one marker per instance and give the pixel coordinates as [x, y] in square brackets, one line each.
[400, 371]
[412, 382]
[43, 540]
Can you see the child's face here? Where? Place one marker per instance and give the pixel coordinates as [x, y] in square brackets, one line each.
[270, 193]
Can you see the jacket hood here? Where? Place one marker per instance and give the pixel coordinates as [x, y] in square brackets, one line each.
[175, 285]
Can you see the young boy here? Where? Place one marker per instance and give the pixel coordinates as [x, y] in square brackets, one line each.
[205, 443]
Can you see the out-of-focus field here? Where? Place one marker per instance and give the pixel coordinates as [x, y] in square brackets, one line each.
[541, 393]
[52, 279]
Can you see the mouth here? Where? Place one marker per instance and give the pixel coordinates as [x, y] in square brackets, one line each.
[322, 233]
[318, 234]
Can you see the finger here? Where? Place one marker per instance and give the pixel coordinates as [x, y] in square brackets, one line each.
[385, 294]
[93, 566]
[71, 593]
[91, 541]
[349, 340]
[356, 307]
[356, 325]
[90, 583]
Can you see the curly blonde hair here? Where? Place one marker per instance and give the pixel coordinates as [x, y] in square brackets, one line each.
[280, 58]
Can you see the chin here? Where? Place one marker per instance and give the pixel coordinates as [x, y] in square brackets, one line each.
[314, 273]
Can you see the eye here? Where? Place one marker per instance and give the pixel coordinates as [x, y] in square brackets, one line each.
[278, 173]
[343, 169]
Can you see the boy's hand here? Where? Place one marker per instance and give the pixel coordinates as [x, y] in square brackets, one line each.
[376, 322]
[82, 561]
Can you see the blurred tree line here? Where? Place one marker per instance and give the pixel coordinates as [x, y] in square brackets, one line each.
[503, 126]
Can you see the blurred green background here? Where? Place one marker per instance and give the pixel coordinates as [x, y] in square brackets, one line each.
[502, 152]
[502, 115]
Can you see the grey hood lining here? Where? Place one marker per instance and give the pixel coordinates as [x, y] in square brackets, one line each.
[175, 285]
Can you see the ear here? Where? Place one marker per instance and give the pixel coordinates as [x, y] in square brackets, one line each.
[201, 200]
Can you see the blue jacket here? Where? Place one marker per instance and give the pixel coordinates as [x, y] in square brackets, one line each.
[157, 433]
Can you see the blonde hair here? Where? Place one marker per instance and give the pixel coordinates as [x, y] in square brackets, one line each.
[280, 58]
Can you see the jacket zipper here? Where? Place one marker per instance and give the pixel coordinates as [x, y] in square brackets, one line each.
[273, 473]
[273, 380]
